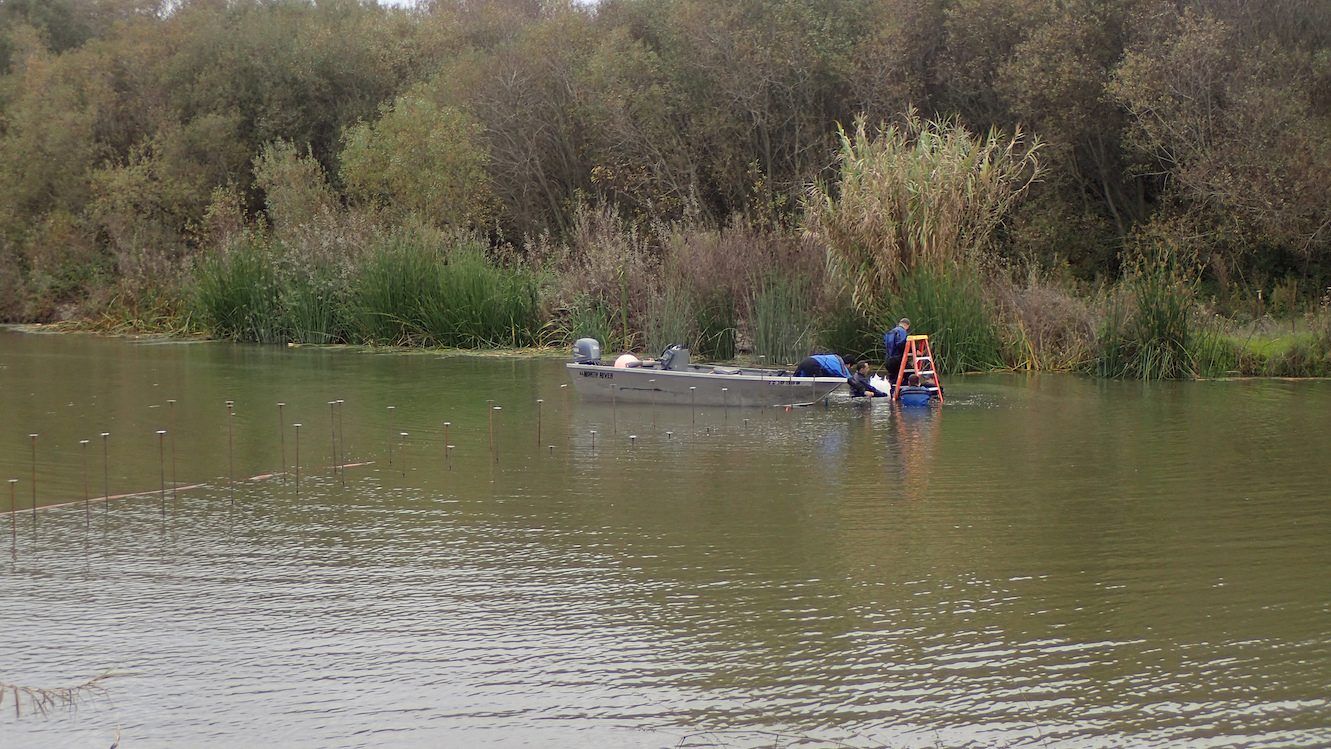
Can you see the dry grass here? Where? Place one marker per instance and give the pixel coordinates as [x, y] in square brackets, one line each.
[1044, 326]
[41, 700]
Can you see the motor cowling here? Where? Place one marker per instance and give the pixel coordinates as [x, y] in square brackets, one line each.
[675, 357]
[587, 351]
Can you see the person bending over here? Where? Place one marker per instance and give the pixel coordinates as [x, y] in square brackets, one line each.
[824, 365]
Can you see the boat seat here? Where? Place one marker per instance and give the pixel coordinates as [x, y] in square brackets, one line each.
[725, 370]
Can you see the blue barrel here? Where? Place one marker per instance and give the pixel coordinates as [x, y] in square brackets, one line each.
[915, 396]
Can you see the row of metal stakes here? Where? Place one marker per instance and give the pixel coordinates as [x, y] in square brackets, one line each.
[338, 466]
[337, 441]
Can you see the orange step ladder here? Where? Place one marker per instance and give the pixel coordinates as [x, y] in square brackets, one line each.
[918, 358]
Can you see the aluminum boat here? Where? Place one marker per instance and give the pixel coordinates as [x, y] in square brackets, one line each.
[672, 379]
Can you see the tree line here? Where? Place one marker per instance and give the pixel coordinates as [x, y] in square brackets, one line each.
[130, 129]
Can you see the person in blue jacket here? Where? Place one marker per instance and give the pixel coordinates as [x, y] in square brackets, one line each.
[894, 347]
[824, 365]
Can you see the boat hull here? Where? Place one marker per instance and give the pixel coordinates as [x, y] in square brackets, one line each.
[698, 386]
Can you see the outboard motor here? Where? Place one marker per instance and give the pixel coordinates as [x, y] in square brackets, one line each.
[675, 357]
[587, 351]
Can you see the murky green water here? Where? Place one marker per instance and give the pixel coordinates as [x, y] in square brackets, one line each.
[1050, 561]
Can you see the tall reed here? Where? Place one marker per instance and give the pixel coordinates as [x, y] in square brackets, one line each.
[670, 319]
[473, 304]
[1148, 331]
[950, 307]
[387, 296]
[589, 318]
[782, 319]
[714, 315]
[920, 195]
[236, 292]
[315, 307]
[844, 330]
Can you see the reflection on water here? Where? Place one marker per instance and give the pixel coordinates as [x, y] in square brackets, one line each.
[1048, 562]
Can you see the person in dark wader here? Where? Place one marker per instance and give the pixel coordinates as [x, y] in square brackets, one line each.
[859, 383]
[894, 347]
[824, 365]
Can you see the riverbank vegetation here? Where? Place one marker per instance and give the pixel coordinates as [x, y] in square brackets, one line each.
[1124, 187]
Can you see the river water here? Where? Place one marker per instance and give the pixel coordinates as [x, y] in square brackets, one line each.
[1046, 561]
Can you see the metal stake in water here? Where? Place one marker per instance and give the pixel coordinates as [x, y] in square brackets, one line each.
[332, 430]
[593, 440]
[297, 426]
[391, 410]
[493, 447]
[13, 513]
[33, 437]
[282, 440]
[448, 449]
[87, 510]
[171, 404]
[693, 400]
[670, 435]
[161, 463]
[633, 439]
[106, 474]
[230, 448]
[538, 422]
[489, 415]
[402, 456]
[341, 442]
[725, 405]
